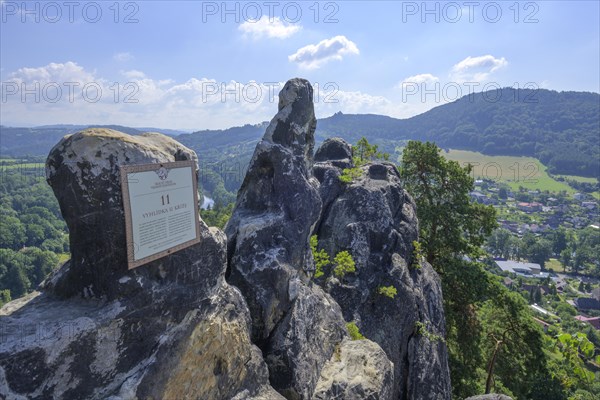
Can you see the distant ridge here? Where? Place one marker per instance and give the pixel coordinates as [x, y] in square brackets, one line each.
[561, 129]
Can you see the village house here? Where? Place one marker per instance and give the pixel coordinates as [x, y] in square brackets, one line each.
[531, 270]
[594, 321]
[529, 207]
[587, 304]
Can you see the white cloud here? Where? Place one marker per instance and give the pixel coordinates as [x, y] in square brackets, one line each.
[196, 103]
[134, 74]
[418, 79]
[268, 27]
[333, 100]
[123, 56]
[52, 73]
[476, 69]
[57, 94]
[314, 56]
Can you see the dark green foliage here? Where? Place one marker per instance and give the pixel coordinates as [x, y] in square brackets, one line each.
[558, 128]
[4, 297]
[536, 250]
[32, 233]
[513, 342]
[364, 152]
[449, 222]
[218, 215]
[492, 339]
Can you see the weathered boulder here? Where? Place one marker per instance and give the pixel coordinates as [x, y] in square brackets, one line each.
[83, 171]
[303, 342]
[375, 220]
[100, 330]
[358, 369]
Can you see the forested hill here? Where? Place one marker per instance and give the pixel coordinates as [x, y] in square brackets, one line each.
[562, 129]
[37, 141]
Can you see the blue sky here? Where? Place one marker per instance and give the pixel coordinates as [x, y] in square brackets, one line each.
[197, 65]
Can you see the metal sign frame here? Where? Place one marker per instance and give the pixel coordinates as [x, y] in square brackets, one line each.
[158, 189]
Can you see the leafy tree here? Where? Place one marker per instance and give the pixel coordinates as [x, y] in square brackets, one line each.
[320, 257]
[218, 215]
[503, 193]
[575, 349]
[39, 263]
[388, 291]
[488, 328]
[559, 241]
[12, 232]
[343, 264]
[514, 345]
[353, 331]
[364, 152]
[16, 280]
[566, 258]
[451, 224]
[499, 243]
[537, 250]
[31, 232]
[4, 297]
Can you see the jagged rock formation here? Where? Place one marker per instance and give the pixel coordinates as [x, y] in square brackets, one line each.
[269, 260]
[175, 328]
[296, 324]
[375, 219]
[102, 331]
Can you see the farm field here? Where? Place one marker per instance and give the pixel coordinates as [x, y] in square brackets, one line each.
[584, 179]
[515, 171]
[554, 265]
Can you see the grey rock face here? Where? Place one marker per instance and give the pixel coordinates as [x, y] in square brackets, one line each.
[102, 331]
[304, 341]
[335, 151]
[296, 325]
[277, 205]
[375, 220]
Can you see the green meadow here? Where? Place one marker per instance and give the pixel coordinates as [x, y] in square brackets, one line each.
[527, 172]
